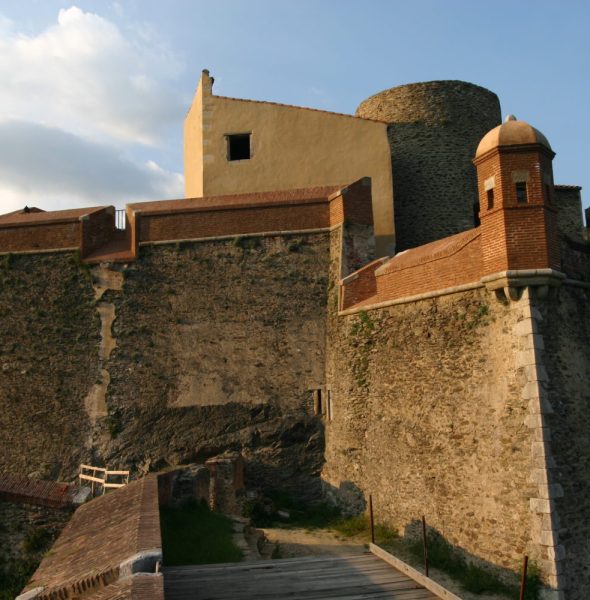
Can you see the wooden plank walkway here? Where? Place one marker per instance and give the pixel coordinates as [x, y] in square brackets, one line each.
[360, 576]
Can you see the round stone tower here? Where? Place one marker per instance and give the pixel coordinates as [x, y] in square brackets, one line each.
[434, 129]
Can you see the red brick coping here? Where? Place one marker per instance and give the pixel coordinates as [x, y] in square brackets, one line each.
[23, 490]
[450, 262]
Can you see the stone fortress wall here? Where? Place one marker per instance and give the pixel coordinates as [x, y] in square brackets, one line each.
[464, 407]
[197, 346]
[433, 130]
[428, 416]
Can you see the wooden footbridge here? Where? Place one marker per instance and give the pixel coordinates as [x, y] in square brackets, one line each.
[359, 576]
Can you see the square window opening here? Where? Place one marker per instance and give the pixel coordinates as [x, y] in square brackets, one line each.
[490, 197]
[521, 192]
[238, 146]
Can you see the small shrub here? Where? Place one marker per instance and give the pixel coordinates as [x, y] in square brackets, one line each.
[360, 525]
[14, 576]
[192, 534]
[258, 513]
[247, 243]
[480, 316]
[533, 583]
[114, 425]
[36, 540]
[181, 246]
[264, 511]
[276, 552]
[7, 260]
[76, 258]
[366, 320]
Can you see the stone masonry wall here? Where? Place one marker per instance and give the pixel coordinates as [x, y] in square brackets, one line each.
[565, 326]
[48, 360]
[207, 347]
[217, 346]
[429, 417]
[434, 129]
[570, 217]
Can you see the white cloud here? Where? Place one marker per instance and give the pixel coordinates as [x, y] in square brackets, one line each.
[83, 75]
[54, 169]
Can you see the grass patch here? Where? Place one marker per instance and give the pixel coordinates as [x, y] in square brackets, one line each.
[360, 526]
[16, 572]
[353, 526]
[36, 540]
[247, 243]
[194, 535]
[263, 512]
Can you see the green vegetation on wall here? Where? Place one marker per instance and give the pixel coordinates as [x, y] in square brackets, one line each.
[49, 336]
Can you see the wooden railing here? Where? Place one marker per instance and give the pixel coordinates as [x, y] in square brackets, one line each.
[101, 477]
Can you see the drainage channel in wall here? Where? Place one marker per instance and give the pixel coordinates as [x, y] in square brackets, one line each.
[104, 277]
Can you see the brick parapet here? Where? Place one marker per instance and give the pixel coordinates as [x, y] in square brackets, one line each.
[428, 270]
[23, 490]
[97, 228]
[170, 220]
[40, 236]
[143, 586]
[220, 221]
[360, 288]
[46, 231]
[447, 263]
[251, 213]
[352, 204]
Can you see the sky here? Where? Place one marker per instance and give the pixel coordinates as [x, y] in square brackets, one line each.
[94, 93]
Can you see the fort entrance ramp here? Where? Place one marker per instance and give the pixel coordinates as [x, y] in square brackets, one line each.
[360, 576]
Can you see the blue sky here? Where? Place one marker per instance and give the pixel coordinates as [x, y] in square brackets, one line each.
[95, 92]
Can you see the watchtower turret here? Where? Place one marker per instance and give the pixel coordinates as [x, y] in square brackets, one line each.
[515, 185]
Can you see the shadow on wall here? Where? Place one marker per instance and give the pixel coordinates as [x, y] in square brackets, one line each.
[291, 464]
[348, 496]
[287, 457]
[473, 573]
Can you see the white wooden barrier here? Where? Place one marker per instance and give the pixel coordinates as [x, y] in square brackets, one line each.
[101, 476]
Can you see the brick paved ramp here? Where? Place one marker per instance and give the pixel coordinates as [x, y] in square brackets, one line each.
[23, 490]
[108, 550]
[352, 577]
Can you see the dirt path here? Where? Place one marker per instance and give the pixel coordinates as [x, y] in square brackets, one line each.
[293, 543]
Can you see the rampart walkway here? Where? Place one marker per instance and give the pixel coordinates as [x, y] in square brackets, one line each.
[23, 490]
[360, 576]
